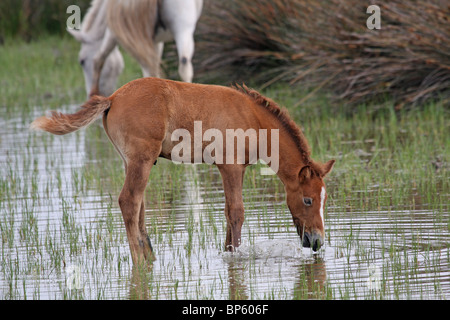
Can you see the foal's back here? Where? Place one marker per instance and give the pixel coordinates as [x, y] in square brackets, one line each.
[152, 108]
[181, 100]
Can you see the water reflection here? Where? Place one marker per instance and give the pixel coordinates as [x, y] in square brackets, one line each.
[311, 280]
[237, 287]
[139, 284]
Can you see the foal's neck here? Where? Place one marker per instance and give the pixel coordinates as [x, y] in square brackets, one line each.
[291, 158]
[290, 161]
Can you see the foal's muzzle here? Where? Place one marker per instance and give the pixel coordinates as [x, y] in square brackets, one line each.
[311, 239]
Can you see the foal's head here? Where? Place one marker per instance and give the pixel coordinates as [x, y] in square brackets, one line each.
[112, 68]
[306, 200]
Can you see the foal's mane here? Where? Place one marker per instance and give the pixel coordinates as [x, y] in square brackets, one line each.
[282, 115]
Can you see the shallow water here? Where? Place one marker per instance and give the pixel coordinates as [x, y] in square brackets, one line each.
[63, 236]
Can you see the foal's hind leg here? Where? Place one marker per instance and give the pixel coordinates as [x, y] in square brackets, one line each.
[131, 201]
[144, 235]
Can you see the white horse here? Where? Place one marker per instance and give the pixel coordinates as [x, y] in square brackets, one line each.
[141, 27]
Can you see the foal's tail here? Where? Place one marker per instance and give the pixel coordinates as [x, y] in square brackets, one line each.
[60, 124]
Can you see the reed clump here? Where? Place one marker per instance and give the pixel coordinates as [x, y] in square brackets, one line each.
[326, 44]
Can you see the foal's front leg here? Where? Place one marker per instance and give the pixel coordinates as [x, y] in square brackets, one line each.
[232, 177]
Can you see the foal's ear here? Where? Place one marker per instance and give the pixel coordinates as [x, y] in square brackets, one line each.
[305, 173]
[327, 167]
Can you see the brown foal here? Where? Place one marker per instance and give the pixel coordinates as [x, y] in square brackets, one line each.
[141, 117]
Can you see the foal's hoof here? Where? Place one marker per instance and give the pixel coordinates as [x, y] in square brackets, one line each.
[230, 248]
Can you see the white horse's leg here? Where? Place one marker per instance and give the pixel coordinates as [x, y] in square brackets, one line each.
[145, 72]
[180, 17]
[159, 50]
[108, 45]
[185, 47]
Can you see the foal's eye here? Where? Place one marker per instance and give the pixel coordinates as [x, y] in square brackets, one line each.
[307, 201]
[82, 61]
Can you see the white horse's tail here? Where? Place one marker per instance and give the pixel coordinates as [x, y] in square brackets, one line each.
[134, 24]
